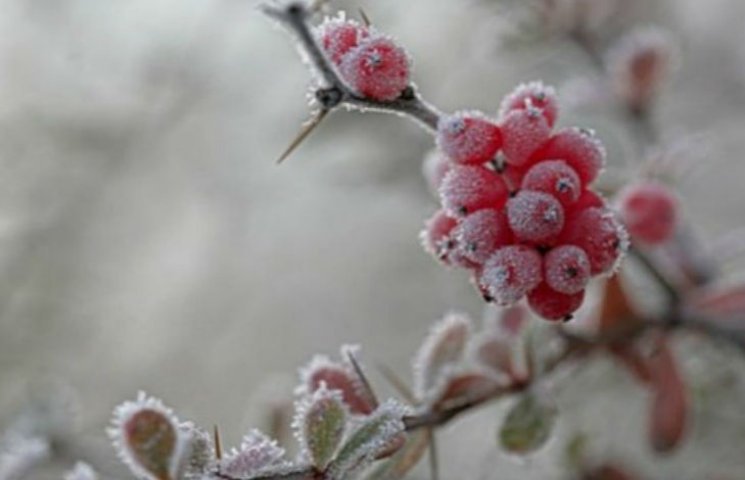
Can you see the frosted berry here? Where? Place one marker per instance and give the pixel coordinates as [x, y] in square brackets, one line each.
[579, 148]
[479, 234]
[466, 189]
[511, 272]
[435, 237]
[599, 234]
[535, 217]
[566, 269]
[339, 36]
[533, 94]
[650, 212]
[377, 69]
[553, 305]
[554, 177]
[434, 168]
[588, 198]
[468, 137]
[523, 132]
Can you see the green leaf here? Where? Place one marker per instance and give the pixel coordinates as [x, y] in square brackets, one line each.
[322, 426]
[527, 426]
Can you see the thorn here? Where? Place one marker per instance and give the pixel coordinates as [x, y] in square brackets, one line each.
[396, 382]
[303, 134]
[365, 18]
[363, 379]
[218, 443]
[434, 467]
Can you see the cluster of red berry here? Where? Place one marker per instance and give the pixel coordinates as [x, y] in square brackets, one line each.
[369, 62]
[517, 207]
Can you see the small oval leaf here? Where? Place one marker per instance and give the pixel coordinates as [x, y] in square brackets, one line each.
[528, 425]
[320, 425]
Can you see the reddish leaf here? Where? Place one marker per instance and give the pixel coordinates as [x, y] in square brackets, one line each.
[465, 385]
[669, 411]
[616, 310]
[730, 302]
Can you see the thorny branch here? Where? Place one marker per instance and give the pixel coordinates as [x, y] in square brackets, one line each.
[334, 93]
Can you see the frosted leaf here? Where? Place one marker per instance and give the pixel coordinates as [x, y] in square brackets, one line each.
[580, 149]
[257, 454]
[468, 137]
[492, 351]
[201, 457]
[434, 168]
[567, 269]
[523, 132]
[81, 471]
[532, 94]
[462, 381]
[372, 438]
[444, 346]
[19, 454]
[668, 415]
[528, 425]
[466, 189]
[535, 217]
[479, 234]
[556, 178]
[336, 376]
[148, 438]
[511, 273]
[319, 425]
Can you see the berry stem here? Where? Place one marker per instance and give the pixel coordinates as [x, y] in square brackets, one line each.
[294, 16]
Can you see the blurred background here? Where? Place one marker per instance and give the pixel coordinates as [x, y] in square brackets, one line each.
[149, 241]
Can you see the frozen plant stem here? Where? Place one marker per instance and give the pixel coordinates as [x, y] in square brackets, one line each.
[334, 92]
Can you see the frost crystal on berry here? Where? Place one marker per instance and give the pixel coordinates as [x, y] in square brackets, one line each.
[257, 453]
[479, 234]
[553, 305]
[579, 148]
[377, 68]
[600, 235]
[556, 178]
[468, 137]
[466, 189]
[533, 94]
[436, 237]
[535, 217]
[434, 168]
[511, 272]
[567, 269]
[338, 36]
[523, 132]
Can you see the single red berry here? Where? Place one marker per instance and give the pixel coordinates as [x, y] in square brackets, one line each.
[535, 217]
[435, 237]
[339, 36]
[599, 234]
[377, 69]
[479, 234]
[468, 137]
[511, 272]
[553, 305]
[533, 94]
[588, 199]
[577, 147]
[523, 132]
[650, 212]
[466, 189]
[434, 168]
[554, 177]
[566, 269]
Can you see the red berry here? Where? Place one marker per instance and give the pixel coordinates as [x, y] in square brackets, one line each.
[554, 177]
[339, 36]
[566, 269]
[468, 137]
[435, 237]
[533, 94]
[588, 198]
[599, 234]
[466, 189]
[479, 234]
[523, 132]
[511, 272]
[535, 217]
[434, 168]
[377, 68]
[650, 212]
[553, 305]
[579, 148]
